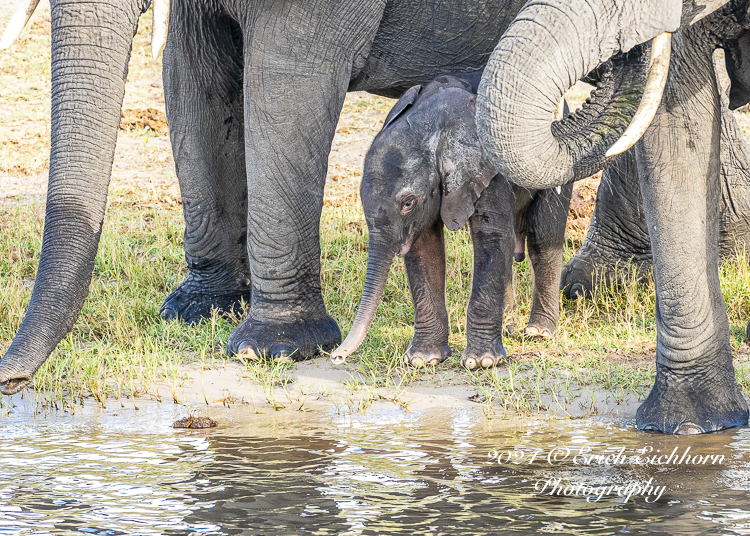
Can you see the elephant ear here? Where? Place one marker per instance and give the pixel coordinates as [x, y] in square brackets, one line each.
[403, 104]
[464, 170]
[737, 57]
[462, 190]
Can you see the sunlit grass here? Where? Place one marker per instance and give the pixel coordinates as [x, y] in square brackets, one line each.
[120, 348]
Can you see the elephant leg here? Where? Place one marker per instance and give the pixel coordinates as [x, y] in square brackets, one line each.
[544, 225]
[425, 267]
[695, 389]
[203, 91]
[493, 237]
[299, 58]
[617, 235]
[734, 230]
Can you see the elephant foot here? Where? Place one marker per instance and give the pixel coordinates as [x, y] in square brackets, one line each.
[284, 341]
[483, 355]
[204, 290]
[419, 354]
[747, 331]
[584, 270]
[682, 405]
[192, 307]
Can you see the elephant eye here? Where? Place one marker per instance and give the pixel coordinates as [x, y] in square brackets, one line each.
[407, 205]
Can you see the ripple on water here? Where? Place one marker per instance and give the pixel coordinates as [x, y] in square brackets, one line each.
[387, 472]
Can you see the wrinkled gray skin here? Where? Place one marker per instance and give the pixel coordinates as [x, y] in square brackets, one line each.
[678, 163]
[253, 91]
[618, 233]
[426, 169]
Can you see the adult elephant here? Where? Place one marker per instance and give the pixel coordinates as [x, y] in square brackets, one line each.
[551, 45]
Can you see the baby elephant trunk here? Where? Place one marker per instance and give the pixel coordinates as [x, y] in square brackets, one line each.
[378, 265]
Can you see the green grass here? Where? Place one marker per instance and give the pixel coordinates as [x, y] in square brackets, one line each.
[120, 347]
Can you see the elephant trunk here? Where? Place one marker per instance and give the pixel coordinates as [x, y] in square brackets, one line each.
[378, 265]
[551, 45]
[91, 43]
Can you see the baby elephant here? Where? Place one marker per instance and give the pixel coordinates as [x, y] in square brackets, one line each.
[426, 169]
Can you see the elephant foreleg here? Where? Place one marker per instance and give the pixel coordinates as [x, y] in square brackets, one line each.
[203, 90]
[493, 237]
[299, 58]
[425, 267]
[617, 235]
[678, 164]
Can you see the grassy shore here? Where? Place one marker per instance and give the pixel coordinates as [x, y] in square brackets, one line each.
[121, 348]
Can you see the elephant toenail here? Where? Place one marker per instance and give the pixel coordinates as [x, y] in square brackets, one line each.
[470, 363]
[169, 314]
[283, 352]
[417, 362]
[688, 428]
[488, 362]
[247, 351]
[576, 291]
[434, 362]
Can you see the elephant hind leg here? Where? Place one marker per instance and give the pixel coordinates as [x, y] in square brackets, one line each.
[203, 90]
[544, 225]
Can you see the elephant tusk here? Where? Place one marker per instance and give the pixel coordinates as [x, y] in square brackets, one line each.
[18, 22]
[560, 110]
[661, 48]
[160, 27]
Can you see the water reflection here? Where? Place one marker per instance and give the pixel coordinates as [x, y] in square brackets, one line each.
[386, 472]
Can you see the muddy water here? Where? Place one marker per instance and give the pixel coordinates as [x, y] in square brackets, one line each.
[384, 471]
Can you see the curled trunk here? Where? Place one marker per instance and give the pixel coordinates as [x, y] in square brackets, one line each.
[91, 45]
[551, 45]
[378, 265]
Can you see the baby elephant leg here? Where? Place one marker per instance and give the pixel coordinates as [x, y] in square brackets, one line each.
[425, 268]
[544, 225]
[492, 232]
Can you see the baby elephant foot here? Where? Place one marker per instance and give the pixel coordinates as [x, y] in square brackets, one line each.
[483, 355]
[284, 341]
[420, 354]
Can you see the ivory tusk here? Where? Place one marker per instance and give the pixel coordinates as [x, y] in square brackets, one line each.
[18, 22]
[661, 48]
[560, 110]
[160, 27]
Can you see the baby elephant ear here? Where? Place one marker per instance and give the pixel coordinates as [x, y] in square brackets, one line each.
[462, 188]
[405, 102]
[464, 170]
